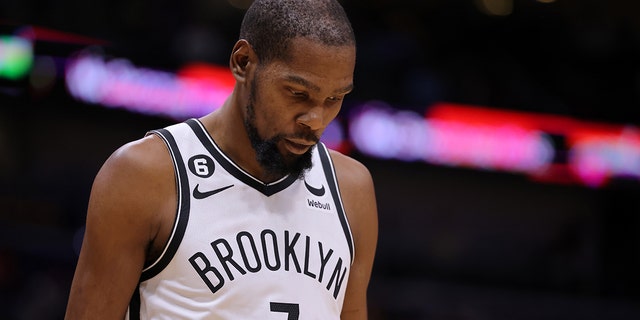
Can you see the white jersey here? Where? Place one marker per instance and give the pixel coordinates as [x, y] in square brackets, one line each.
[243, 249]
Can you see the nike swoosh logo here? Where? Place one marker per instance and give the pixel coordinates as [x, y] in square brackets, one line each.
[201, 195]
[318, 192]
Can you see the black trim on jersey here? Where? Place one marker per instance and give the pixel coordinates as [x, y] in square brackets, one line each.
[183, 211]
[329, 171]
[134, 305]
[234, 169]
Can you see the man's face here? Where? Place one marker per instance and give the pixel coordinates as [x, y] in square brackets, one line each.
[267, 152]
[291, 102]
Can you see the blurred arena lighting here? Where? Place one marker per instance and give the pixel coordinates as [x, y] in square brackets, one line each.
[192, 92]
[384, 132]
[596, 151]
[599, 153]
[35, 33]
[16, 57]
[334, 137]
[491, 139]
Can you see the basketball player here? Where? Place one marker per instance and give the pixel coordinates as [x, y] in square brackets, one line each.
[243, 213]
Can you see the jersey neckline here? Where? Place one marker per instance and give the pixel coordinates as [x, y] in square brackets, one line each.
[234, 169]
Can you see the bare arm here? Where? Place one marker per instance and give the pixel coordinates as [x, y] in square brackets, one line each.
[358, 195]
[131, 194]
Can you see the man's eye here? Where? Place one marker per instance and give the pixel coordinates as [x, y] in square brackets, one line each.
[334, 98]
[298, 93]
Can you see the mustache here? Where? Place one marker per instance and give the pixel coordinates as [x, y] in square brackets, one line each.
[308, 136]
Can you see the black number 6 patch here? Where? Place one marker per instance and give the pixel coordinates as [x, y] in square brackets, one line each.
[201, 165]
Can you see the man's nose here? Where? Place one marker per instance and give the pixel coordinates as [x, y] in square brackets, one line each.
[312, 118]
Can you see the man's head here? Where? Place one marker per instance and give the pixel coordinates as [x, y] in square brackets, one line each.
[293, 64]
[270, 25]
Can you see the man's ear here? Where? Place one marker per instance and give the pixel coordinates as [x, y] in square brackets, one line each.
[242, 58]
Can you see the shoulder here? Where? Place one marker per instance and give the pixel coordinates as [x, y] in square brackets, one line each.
[140, 167]
[144, 158]
[143, 154]
[135, 182]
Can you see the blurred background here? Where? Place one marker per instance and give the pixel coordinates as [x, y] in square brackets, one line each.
[503, 137]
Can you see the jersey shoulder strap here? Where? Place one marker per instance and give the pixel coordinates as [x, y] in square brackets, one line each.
[183, 204]
[332, 180]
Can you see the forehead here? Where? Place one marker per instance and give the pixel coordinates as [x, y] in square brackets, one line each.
[315, 64]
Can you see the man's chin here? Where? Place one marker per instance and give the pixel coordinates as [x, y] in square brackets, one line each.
[294, 164]
[277, 160]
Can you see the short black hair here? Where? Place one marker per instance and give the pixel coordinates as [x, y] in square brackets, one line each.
[270, 25]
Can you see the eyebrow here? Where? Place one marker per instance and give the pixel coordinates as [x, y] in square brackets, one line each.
[346, 89]
[304, 82]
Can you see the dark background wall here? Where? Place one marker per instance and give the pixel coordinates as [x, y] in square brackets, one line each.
[454, 243]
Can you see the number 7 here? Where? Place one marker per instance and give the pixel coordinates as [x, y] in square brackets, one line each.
[293, 309]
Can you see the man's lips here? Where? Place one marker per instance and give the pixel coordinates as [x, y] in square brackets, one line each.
[298, 147]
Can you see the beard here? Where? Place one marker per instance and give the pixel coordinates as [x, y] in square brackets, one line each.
[267, 153]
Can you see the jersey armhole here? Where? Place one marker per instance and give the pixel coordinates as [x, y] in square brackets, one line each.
[182, 211]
